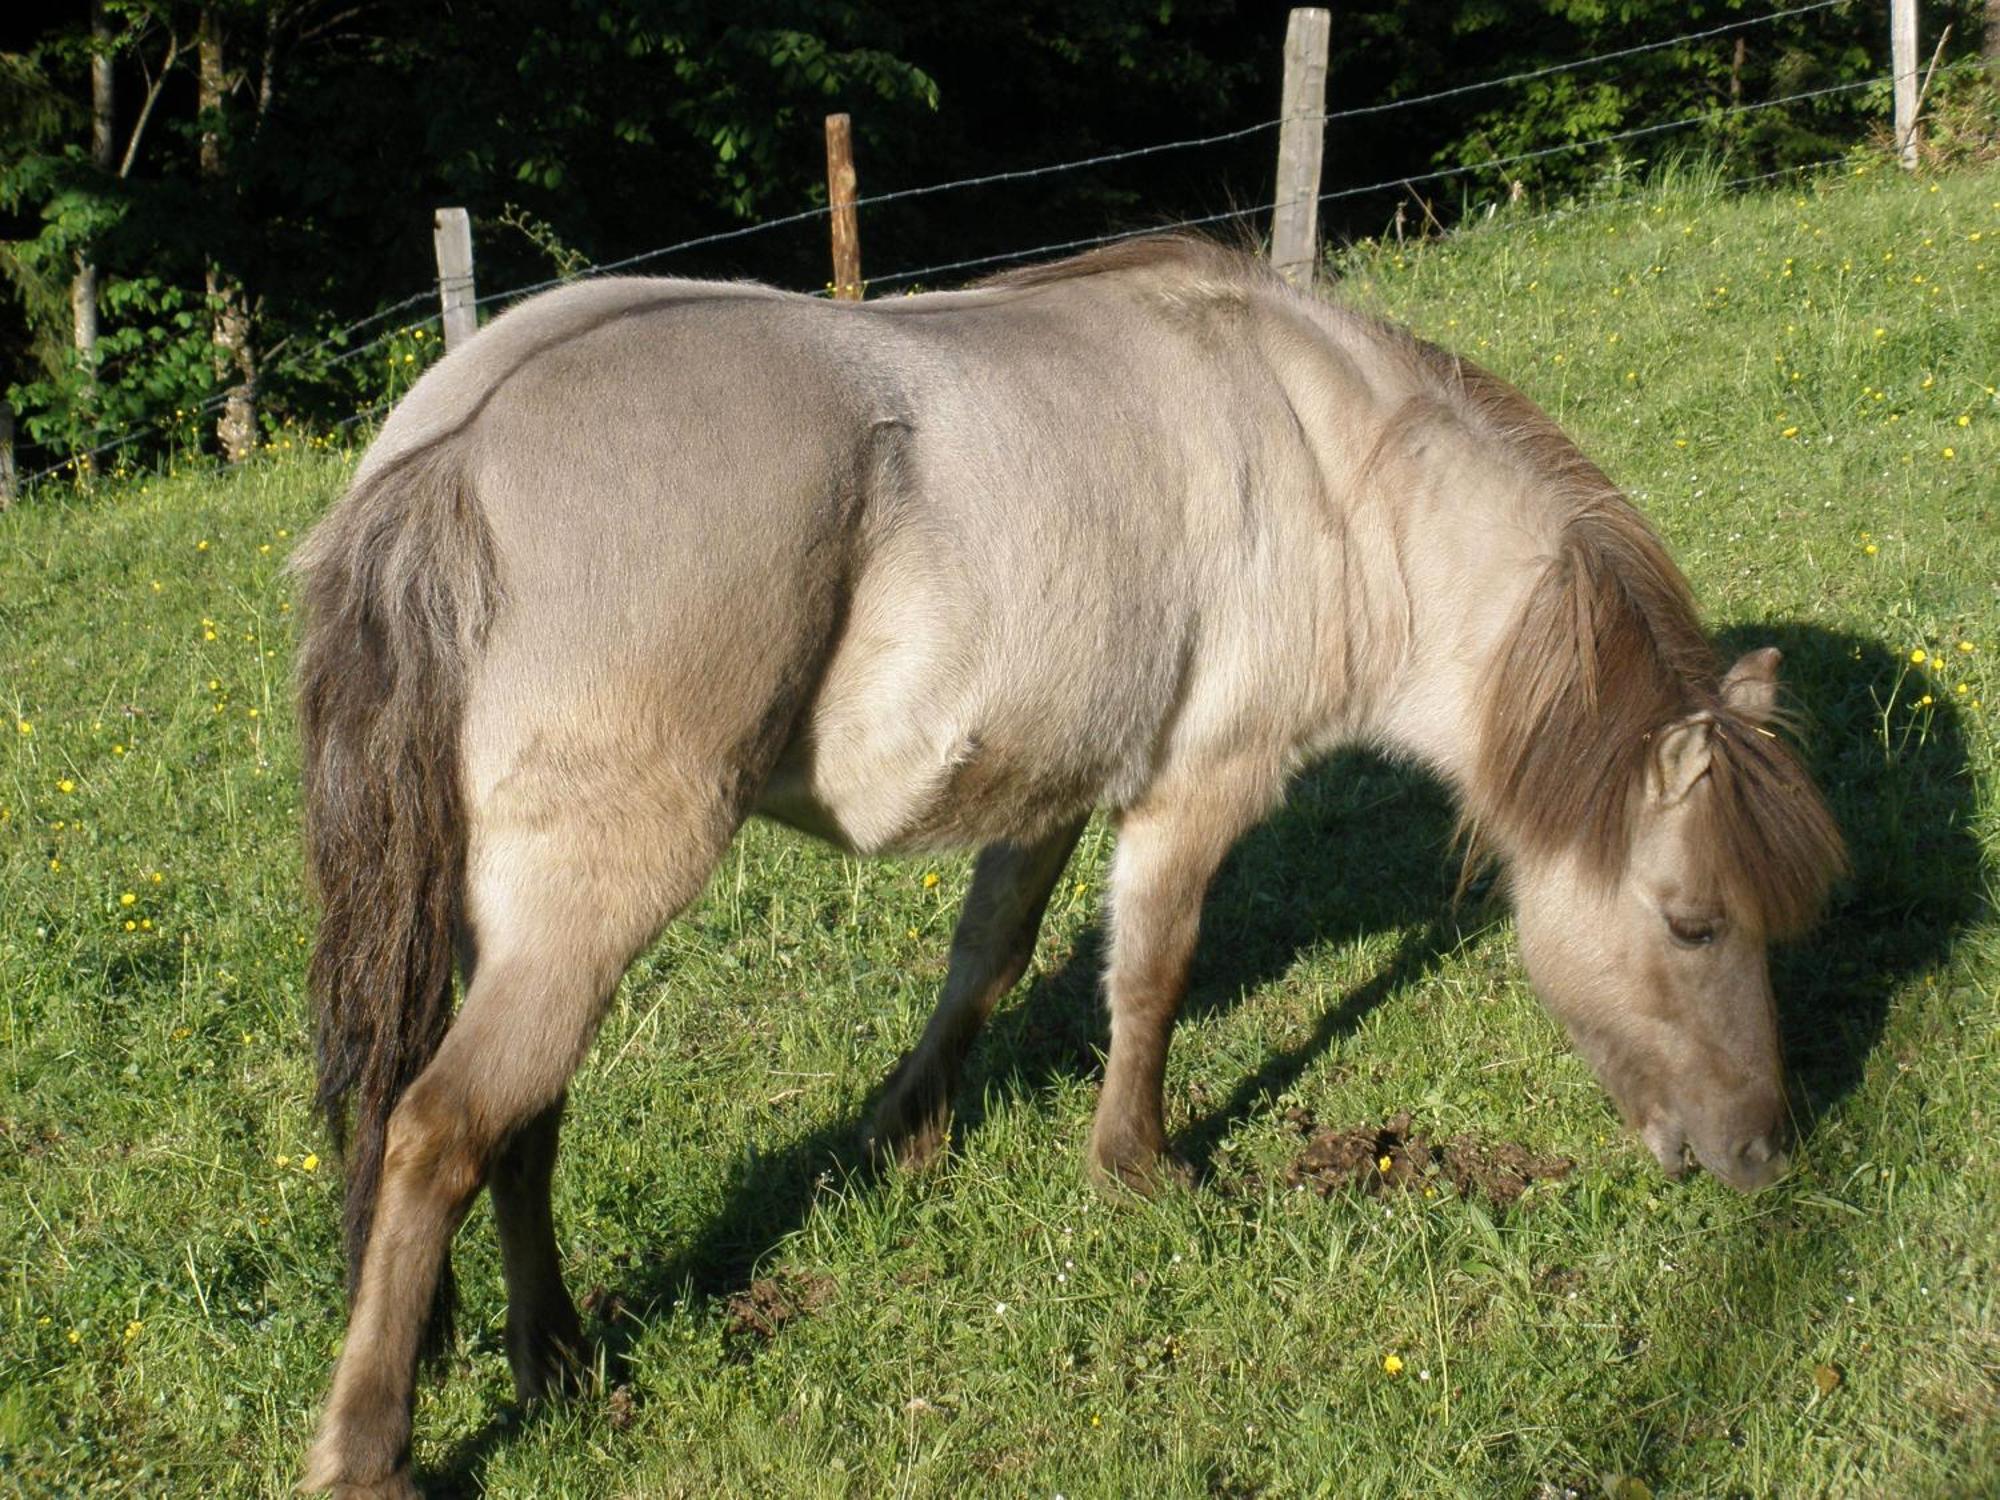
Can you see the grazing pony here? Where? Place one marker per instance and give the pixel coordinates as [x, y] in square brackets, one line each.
[1145, 531]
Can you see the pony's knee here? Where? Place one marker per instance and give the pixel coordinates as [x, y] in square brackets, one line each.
[434, 1144]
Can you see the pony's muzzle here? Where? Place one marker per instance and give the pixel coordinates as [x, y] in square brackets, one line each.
[1754, 1163]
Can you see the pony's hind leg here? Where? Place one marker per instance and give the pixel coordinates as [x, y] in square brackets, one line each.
[545, 1345]
[559, 905]
[990, 949]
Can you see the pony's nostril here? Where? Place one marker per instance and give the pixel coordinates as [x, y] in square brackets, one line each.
[1759, 1160]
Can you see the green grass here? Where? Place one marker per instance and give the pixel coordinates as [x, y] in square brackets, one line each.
[1777, 378]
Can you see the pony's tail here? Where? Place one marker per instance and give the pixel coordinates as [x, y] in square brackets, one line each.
[398, 586]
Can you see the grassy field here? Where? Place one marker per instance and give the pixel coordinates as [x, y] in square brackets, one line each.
[1798, 386]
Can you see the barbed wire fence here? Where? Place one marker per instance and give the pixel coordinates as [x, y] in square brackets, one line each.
[334, 350]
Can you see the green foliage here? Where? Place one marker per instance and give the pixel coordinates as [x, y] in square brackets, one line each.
[156, 352]
[174, 1278]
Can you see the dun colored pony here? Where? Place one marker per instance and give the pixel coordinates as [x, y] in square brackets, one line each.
[1144, 531]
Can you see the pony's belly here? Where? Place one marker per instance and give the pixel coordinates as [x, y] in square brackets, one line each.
[879, 799]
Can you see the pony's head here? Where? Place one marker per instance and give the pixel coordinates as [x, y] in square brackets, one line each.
[1658, 971]
[1659, 836]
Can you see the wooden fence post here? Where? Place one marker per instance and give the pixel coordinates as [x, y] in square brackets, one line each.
[7, 480]
[1301, 132]
[846, 222]
[451, 232]
[1903, 63]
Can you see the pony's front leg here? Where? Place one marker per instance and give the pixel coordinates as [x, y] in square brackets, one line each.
[990, 950]
[1169, 849]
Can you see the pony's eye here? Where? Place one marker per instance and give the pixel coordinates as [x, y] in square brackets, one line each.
[1691, 932]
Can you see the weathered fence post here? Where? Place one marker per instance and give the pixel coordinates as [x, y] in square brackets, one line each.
[846, 222]
[1302, 130]
[1903, 64]
[451, 232]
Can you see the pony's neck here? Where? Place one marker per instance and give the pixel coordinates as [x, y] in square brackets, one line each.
[1468, 541]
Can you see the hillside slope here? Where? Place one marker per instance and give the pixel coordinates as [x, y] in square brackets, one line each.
[1797, 385]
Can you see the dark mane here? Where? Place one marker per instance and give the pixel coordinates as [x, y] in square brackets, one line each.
[1607, 652]
[1192, 254]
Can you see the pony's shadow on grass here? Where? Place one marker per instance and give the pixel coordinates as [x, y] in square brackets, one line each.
[1895, 773]
[1358, 849]
[1361, 847]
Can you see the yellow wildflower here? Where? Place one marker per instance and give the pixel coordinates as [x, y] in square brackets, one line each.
[309, 1162]
[128, 899]
[1392, 1364]
[930, 879]
[65, 786]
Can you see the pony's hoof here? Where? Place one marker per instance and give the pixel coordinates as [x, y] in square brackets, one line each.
[1145, 1174]
[554, 1367]
[398, 1486]
[327, 1471]
[358, 1461]
[912, 1124]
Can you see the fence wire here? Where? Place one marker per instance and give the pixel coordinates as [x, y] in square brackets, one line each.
[1583, 62]
[1023, 174]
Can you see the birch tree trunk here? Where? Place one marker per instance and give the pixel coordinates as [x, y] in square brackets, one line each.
[7, 480]
[235, 358]
[103, 151]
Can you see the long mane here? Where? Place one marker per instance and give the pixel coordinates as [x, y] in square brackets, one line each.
[1607, 652]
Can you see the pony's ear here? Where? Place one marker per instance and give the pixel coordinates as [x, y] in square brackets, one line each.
[1680, 759]
[1751, 686]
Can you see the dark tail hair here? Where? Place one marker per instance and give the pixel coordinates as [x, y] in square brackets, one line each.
[398, 588]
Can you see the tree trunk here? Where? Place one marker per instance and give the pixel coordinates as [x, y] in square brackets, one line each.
[7, 480]
[103, 151]
[1989, 47]
[235, 358]
[1736, 71]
